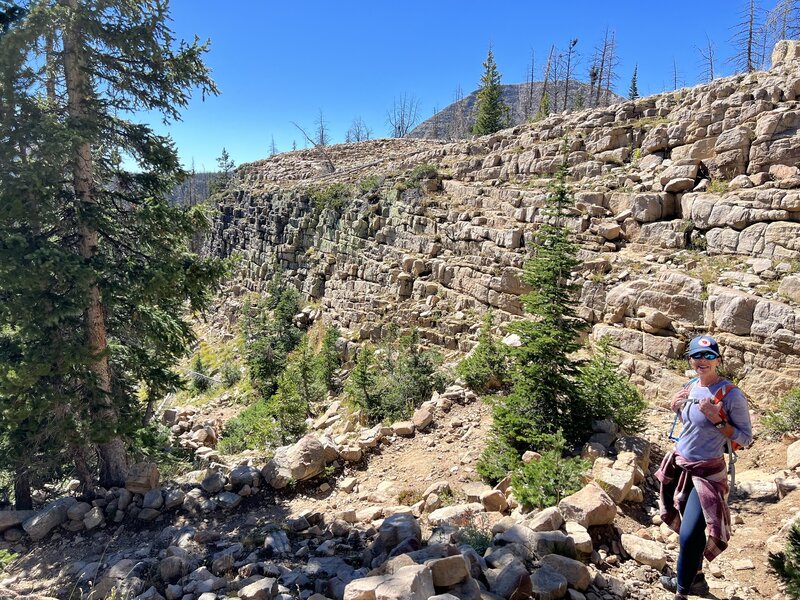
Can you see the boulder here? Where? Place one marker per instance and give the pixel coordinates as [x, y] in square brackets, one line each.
[244, 475]
[263, 589]
[94, 518]
[512, 580]
[47, 519]
[14, 518]
[589, 506]
[124, 579]
[458, 514]
[616, 482]
[548, 584]
[793, 456]
[142, 477]
[413, 582]
[575, 572]
[645, 552]
[549, 519]
[538, 543]
[422, 418]
[790, 288]
[494, 501]
[298, 462]
[448, 571]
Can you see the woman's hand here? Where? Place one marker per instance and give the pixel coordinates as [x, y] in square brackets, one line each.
[678, 399]
[710, 410]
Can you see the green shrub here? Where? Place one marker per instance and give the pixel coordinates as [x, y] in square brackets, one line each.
[608, 395]
[718, 186]
[786, 564]
[498, 459]
[230, 373]
[300, 386]
[370, 183]
[332, 197]
[200, 381]
[485, 370]
[544, 482]
[785, 418]
[6, 558]
[478, 536]
[421, 172]
[253, 429]
[390, 389]
[408, 497]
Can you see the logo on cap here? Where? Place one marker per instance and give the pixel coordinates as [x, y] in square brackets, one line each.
[704, 342]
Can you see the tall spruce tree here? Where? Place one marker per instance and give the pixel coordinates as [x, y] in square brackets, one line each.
[544, 398]
[96, 273]
[492, 112]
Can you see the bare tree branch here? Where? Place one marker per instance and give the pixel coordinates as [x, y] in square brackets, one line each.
[320, 148]
[403, 115]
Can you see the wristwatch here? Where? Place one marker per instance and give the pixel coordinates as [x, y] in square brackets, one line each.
[721, 424]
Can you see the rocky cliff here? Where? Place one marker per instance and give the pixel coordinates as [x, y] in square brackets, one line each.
[687, 208]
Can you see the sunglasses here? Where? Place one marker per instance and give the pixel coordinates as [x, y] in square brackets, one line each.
[706, 355]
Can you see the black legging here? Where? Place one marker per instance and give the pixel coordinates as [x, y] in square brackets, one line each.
[693, 542]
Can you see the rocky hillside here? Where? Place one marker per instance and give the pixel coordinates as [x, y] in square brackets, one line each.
[687, 210]
[522, 99]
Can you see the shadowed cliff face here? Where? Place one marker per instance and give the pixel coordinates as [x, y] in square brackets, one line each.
[687, 209]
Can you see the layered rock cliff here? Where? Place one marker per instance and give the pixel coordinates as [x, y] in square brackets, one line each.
[687, 208]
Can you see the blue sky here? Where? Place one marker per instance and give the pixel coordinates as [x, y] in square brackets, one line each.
[278, 62]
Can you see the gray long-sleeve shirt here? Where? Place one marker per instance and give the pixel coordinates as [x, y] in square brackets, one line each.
[699, 439]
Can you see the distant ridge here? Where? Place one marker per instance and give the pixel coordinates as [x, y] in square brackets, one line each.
[456, 120]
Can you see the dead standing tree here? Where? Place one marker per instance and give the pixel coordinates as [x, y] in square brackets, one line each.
[526, 92]
[403, 115]
[610, 70]
[571, 58]
[319, 147]
[707, 59]
[744, 39]
[544, 99]
[358, 132]
[599, 67]
[456, 128]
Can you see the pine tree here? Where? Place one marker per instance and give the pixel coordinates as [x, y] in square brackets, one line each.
[225, 168]
[330, 361]
[111, 272]
[544, 398]
[491, 115]
[633, 91]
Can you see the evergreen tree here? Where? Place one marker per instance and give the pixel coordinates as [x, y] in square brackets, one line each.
[362, 384]
[486, 368]
[330, 361]
[492, 112]
[225, 168]
[633, 91]
[271, 334]
[95, 248]
[544, 398]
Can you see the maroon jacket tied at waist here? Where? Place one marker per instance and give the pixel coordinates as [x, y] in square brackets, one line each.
[709, 477]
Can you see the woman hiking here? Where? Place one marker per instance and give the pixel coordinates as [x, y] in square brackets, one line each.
[694, 481]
